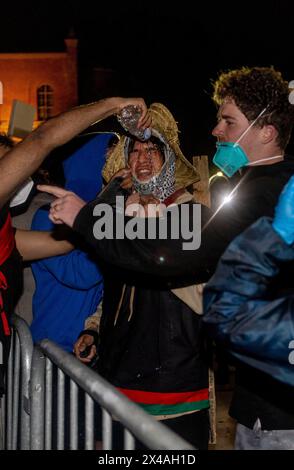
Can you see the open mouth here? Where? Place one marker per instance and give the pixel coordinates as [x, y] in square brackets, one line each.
[143, 174]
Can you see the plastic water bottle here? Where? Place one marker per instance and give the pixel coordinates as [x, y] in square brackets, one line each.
[129, 117]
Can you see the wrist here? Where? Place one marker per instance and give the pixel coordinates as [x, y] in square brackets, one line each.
[106, 107]
[91, 333]
[115, 105]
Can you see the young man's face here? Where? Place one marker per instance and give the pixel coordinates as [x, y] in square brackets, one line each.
[145, 160]
[231, 125]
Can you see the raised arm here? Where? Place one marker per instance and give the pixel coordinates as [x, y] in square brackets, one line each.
[21, 161]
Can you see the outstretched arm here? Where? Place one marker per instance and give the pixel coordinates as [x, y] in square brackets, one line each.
[169, 256]
[34, 245]
[21, 161]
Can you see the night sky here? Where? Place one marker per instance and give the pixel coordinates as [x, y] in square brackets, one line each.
[161, 52]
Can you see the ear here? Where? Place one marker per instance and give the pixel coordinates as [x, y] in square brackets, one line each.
[269, 133]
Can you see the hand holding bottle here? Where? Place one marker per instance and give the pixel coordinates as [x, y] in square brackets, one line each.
[129, 117]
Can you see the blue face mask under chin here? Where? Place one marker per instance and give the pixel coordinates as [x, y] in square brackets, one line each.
[229, 158]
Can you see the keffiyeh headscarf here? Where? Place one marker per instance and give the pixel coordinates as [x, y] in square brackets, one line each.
[161, 185]
[177, 172]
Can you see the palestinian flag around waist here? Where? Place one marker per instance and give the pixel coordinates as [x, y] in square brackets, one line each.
[156, 403]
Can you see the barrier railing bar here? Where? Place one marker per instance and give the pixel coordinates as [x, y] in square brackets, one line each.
[60, 409]
[26, 348]
[106, 430]
[48, 404]
[37, 394]
[89, 423]
[16, 395]
[73, 415]
[152, 433]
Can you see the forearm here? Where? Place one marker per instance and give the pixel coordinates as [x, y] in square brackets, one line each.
[34, 245]
[27, 156]
[65, 126]
[163, 257]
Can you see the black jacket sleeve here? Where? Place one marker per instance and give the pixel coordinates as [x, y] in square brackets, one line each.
[168, 256]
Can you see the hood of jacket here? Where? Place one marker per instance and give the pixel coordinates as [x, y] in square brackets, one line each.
[83, 168]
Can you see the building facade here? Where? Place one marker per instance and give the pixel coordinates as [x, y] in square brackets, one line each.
[48, 81]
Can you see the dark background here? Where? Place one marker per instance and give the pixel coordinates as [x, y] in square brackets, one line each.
[162, 52]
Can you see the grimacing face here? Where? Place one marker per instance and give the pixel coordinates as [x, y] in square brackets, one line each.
[145, 160]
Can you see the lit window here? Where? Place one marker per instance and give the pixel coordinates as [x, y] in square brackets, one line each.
[45, 102]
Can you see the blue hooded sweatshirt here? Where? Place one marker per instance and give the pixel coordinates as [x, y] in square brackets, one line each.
[69, 287]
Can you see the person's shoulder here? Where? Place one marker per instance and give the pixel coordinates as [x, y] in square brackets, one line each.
[289, 158]
[272, 177]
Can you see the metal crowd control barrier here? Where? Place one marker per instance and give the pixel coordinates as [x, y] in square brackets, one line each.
[45, 377]
[150, 432]
[15, 409]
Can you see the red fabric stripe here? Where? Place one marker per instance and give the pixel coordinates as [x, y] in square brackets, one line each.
[6, 240]
[6, 327]
[154, 398]
[7, 244]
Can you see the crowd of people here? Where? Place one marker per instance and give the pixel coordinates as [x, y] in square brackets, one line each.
[150, 324]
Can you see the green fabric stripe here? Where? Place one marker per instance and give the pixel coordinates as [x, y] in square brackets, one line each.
[174, 409]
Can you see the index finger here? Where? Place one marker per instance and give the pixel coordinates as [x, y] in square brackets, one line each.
[54, 190]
